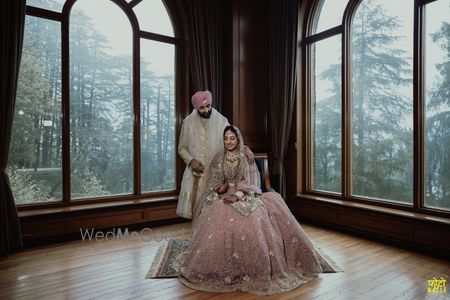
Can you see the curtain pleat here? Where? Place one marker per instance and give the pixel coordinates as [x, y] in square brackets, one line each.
[205, 30]
[283, 15]
[12, 28]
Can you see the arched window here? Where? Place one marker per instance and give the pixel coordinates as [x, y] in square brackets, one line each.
[377, 102]
[96, 102]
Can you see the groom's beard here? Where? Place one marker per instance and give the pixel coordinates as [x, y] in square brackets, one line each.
[205, 115]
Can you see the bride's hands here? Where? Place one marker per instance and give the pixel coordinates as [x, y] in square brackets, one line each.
[239, 195]
[229, 199]
[223, 188]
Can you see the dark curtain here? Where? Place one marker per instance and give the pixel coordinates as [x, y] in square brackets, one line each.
[283, 16]
[205, 33]
[12, 25]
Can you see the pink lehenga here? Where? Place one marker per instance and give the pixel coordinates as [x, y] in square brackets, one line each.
[254, 245]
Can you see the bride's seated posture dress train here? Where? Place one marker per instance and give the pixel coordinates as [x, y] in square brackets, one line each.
[242, 239]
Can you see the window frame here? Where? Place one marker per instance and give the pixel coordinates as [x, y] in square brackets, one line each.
[177, 17]
[304, 108]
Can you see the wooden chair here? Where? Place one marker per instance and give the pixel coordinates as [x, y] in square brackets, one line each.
[262, 162]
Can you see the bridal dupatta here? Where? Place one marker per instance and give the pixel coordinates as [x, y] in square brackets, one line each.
[249, 182]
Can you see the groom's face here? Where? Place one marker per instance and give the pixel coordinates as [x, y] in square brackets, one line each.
[205, 110]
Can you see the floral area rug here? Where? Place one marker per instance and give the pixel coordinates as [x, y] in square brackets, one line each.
[165, 264]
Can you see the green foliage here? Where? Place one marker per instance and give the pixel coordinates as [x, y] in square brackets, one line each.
[31, 103]
[327, 160]
[25, 189]
[87, 185]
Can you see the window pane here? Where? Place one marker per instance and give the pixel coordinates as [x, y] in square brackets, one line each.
[329, 14]
[34, 166]
[55, 5]
[152, 16]
[100, 100]
[157, 116]
[326, 114]
[437, 143]
[382, 102]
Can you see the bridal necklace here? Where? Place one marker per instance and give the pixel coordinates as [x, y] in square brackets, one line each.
[231, 167]
[232, 157]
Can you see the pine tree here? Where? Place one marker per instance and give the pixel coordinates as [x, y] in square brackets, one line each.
[382, 145]
[438, 128]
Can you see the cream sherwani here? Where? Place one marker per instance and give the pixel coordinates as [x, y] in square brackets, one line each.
[200, 139]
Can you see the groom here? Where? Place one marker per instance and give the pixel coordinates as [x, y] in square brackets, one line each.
[201, 138]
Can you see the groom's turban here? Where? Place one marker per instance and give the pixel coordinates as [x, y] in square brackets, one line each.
[201, 98]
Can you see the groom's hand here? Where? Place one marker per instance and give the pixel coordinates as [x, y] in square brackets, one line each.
[196, 166]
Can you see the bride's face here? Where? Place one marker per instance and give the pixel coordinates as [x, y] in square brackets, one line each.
[230, 140]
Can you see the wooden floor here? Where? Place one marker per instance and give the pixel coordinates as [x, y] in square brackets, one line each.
[115, 269]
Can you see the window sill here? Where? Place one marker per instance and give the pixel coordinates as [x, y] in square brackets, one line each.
[376, 209]
[413, 230]
[94, 206]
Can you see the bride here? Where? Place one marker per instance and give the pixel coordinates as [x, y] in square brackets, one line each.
[242, 239]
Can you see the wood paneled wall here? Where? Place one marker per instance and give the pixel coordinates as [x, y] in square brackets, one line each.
[246, 69]
[52, 225]
[420, 233]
